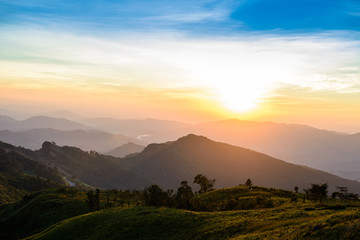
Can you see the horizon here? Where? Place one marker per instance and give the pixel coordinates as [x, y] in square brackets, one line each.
[213, 60]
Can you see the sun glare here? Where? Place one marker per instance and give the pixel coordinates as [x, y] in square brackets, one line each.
[238, 97]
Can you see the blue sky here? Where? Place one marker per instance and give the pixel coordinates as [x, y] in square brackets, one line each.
[194, 17]
[236, 55]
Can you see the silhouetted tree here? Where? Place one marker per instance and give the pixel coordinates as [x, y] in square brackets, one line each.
[296, 189]
[205, 184]
[155, 196]
[248, 183]
[184, 195]
[318, 191]
[93, 200]
[343, 194]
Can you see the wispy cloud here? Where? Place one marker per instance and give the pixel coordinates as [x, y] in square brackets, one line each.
[316, 62]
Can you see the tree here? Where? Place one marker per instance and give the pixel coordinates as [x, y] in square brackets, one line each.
[184, 195]
[343, 194]
[205, 184]
[318, 191]
[155, 196]
[93, 200]
[248, 183]
[296, 189]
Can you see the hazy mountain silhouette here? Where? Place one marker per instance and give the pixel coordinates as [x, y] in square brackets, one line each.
[169, 163]
[67, 115]
[330, 151]
[148, 130]
[126, 149]
[8, 123]
[326, 150]
[87, 140]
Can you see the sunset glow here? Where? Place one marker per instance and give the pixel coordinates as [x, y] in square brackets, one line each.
[213, 60]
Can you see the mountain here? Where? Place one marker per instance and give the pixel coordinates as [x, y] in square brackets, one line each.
[89, 167]
[20, 175]
[169, 163]
[126, 149]
[66, 114]
[300, 144]
[8, 123]
[87, 140]
[148, 130]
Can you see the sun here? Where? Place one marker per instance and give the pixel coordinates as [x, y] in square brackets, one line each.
[239, 97]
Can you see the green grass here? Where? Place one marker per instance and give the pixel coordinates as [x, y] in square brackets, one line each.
[39, 210]
[288, 221]
[241, 198]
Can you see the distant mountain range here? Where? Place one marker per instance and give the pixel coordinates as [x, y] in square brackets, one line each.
[87, 140]
[168, 164]
[126, 149]
[334, 152]
[8, 123]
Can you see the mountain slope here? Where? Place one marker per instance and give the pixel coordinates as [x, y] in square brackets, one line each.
[148, 130]
[20, 175]
[168, 164]
[126, 149]
[87, 140]
[7, 123]
[329, 151]
[88, 167]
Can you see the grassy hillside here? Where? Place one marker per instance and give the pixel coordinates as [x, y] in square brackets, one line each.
[289, 221]
[39, 210]
[241, 198]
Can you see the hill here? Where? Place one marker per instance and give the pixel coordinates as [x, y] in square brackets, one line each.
[169, 163]
[37, 211]
[126, 149]
[292, 221]
[20, 175]
[89, 167]
[87, 140]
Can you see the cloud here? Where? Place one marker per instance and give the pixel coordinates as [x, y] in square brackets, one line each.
[252, 64]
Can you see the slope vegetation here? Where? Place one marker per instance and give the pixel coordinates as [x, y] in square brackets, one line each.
[291, 221]
[39, 210]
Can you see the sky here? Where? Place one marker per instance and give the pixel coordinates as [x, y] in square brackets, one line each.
[191, 61]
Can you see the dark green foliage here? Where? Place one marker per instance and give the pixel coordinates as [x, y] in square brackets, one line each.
[205, 184]
[39, 210]
[14, 187]
[296, 188]
[239, 198]
[155, 196]
[343, 194]
[317, 191]
[184, 195]
[93, 200]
